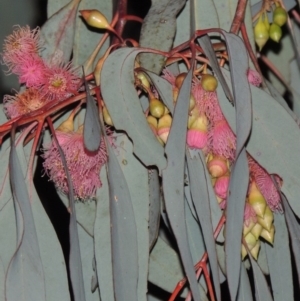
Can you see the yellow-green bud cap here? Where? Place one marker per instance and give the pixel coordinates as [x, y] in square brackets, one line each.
[209, 83]
[256, 230]
[156, 107]
[261, 33]
[106, 116]
[275, 32]
[267, 220]
[257, 200]
[255, 250]
[94, 18]
[280, 16]
[250, 240]
[268, 235]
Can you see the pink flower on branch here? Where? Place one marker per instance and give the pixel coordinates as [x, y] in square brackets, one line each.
[84, 167]
[22, 43]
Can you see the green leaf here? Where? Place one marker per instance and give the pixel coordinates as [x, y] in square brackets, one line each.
[262, 259]
[124, 107]
[158, 31]
[58, 33]
[173, 180]
[124, 232]
[269, 143]
[154, 206]
[25, 275]
[86, 243]
[91, 128]
[136, 177]
[279, 261]
[165, 268]
[294, 229]
[102, 239]
[262, 292]
[244, 292]
[201, 201]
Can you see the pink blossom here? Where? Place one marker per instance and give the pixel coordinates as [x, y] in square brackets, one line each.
[207, 102]
[23, 102]
[221, 140]
[221, 187]
[254, 77]
[61, 81]
[169, 76]
[265, 185]
[31, 71]
[249, 215]
[84, 167]
[196, 138]
[21, 43]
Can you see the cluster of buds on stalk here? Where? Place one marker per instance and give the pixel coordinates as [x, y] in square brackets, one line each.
[263, 30]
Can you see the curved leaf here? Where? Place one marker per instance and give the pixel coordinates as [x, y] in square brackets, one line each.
[91, 129]
[279, 261]
[244, 292]
[154, 206]
[269, 143]
[173, 181]
[136, 177]
[262, 292]
[124, 233]
[158, 31]
[25, 275]
[124, 107]
[102, 239]
[58, 32]
[200, 197]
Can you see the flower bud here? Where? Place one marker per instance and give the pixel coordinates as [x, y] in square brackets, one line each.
[275, 32]
[193, 115]
[280, 16]
[221, 186]
[209, 83]
[67, 125]
[261, 33]
[267, 220]
[197, 134]
[247, 227]
[255, 250]
[94, 18]
[268, 235]
[256, 230]
[179, 79]
[257, 200]
[250, 240]
[106, 116]
[163, 128]
[266, 21]
[217, 166]
[143, 79]
[156, 107]
[152, 121]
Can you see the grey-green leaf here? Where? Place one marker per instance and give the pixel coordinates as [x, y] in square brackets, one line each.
[173, 181]
[25, 275]
[158, 31]
[279, 261]
[120, 97]
[124, 233]
[91, 129]
[136, 176]
[58, 32]
[244, 292]
[200, 197]
[102, 239]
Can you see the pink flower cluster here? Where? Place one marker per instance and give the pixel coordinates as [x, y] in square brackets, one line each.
[84, 167]
[45, 80]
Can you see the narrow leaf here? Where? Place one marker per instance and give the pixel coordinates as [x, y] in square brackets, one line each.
[136, 177]
[58, 32]
[124, 107]
[91, 128]
[154, 206]
[158, 31]
[279, 261]
[239, 177]
[200, 199]
[244, 292]
[173, 181]
[294, 230]
[262, 292]
[102, 239]
[25, 275]
[124, 233]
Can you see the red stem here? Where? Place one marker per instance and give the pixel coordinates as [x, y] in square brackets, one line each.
[239, 16]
